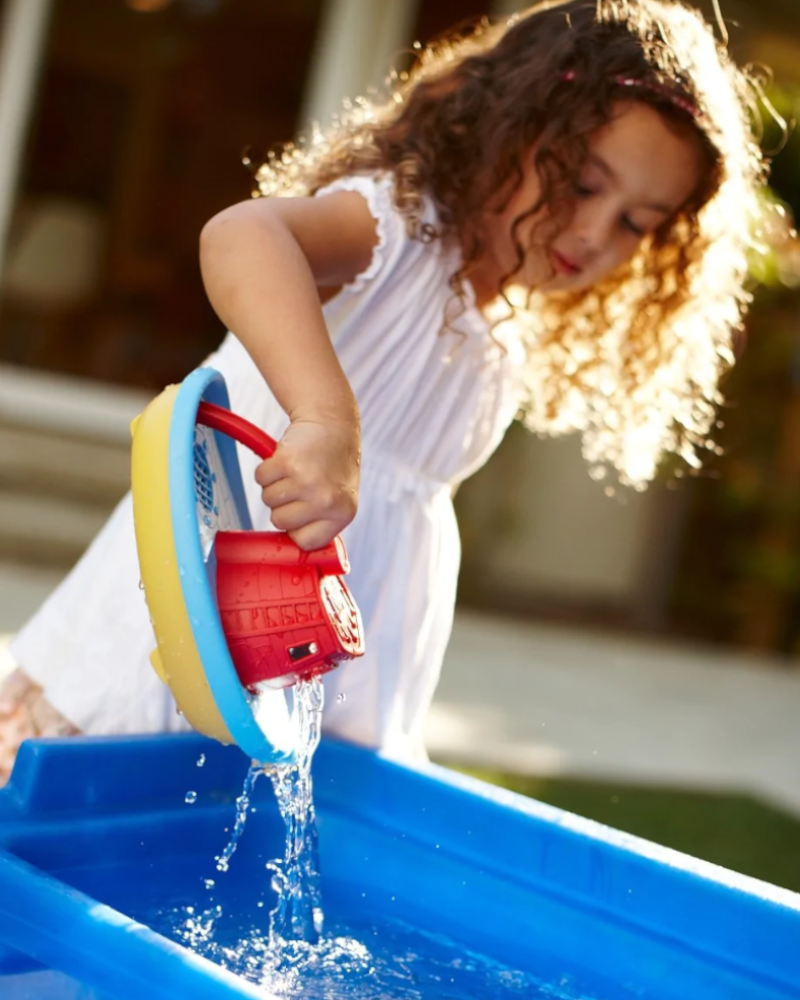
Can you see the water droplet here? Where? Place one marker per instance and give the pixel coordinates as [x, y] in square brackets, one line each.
[201, 760]
[341, 697]
[209, 883]
[190, 910]
[190, 797]
[259, 905]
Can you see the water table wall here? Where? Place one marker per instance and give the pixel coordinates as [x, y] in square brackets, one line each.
[95, 834]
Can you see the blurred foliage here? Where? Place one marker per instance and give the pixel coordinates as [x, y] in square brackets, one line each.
[739, 577]
[783, 137]
[731, 830]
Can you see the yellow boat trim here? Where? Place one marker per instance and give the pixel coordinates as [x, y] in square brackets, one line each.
[176, 660]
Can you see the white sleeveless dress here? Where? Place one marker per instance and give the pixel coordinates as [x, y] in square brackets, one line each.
[434, 404]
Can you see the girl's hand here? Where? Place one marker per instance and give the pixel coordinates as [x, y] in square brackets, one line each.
[311, 482]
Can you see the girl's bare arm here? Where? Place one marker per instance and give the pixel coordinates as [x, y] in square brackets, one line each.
[265, 264]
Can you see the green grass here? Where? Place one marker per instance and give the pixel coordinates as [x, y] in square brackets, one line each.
[735, 831]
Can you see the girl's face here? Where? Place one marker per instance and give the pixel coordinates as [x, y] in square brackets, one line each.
[639, 172]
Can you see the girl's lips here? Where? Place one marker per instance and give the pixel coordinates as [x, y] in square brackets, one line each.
[564, 264]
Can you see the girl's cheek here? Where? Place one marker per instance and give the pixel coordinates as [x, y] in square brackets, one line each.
[625, 248]
[604, 267]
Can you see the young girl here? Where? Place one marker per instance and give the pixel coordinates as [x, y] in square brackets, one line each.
[549, 216]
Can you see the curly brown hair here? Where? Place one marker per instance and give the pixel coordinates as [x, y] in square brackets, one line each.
[633, 363]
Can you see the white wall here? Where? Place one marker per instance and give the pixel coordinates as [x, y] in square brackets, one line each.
[535, 523]
[357, 42]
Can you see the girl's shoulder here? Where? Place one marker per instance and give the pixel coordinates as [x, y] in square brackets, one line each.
[404, 237]
[379, 188]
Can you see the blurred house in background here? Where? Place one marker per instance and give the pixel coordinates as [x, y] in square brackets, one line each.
[122, 130]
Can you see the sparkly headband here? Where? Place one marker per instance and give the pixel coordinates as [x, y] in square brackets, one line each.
[628, 81]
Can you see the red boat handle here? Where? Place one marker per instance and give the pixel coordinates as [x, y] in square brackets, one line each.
[241, 430]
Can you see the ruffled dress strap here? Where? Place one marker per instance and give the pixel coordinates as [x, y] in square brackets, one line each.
[377, 190]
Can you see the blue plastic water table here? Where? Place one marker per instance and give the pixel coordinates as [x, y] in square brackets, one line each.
[95, 835]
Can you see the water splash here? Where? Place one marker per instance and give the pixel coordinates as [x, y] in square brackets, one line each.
[369, 960]
[242, 805]
[194, 930]
[293, 959]
[298, 914]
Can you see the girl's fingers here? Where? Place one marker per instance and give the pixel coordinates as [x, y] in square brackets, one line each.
[279, 493]
[304, 529]
[314, 535]
[292, 516]
[320, 500]
[270, 471]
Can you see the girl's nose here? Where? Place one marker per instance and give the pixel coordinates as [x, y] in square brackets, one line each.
[593, 227]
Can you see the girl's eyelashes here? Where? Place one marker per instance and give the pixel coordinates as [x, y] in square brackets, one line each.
[583, 190]
[631, 226]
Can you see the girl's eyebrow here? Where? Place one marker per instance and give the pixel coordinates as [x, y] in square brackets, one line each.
[597, 161]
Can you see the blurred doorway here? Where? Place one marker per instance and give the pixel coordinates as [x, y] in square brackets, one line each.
[144, 109]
